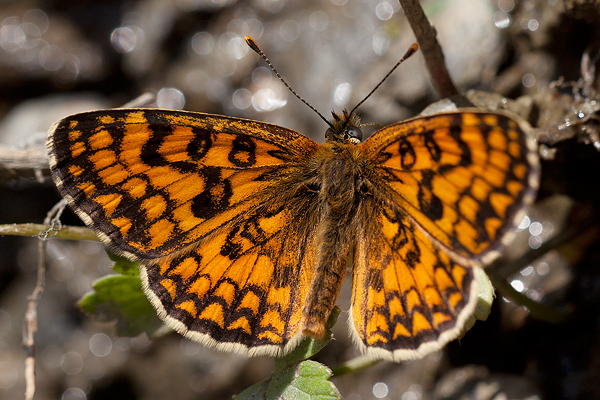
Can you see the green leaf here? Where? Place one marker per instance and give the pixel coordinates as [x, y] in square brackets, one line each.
[297, 378]
[485, 297]
[307, 380]
[120, 297]
[123, 266]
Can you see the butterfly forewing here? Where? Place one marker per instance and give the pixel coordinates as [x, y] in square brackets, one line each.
[462, 177]
[151, 182]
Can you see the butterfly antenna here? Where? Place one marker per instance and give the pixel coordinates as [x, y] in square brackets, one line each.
[411, 50]
[252, 44]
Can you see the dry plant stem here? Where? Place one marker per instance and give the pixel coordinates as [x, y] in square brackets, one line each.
[503, 271]
[35, 157]
[66, 232]
[30, 320]
[537, 310]
[434, 57]
[32, 162]
[143, 100]
[28, 163]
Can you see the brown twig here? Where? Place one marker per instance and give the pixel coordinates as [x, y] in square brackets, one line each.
[434, 57]
[66, 232]
[503, 270]
[583, 234]
[30, 320]
[143, 100]
[30, 162]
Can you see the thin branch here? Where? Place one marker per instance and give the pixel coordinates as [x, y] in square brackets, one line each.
[507, 268]
[434, 57]
[30, 162]
[30, 320]
[66, 232]
[538, 310]
[583, 234]
[143, 100]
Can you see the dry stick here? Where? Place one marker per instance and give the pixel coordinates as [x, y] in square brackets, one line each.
[23, 159]
[30, 320]
[28, 163]
[66, 232]
[32, 162]
[143, 100]
[434, 57]
[500, 273]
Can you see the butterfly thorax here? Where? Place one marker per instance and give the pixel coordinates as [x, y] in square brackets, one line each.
[340, 175]
[345, 128]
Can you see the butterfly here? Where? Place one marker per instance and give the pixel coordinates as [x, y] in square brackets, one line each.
[244, 230]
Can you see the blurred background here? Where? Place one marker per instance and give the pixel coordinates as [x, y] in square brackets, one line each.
[58, 58]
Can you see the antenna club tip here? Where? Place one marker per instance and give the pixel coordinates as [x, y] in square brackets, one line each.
[252, 44]
[411, 50]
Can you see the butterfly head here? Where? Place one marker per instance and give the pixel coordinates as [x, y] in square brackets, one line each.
[345, 127]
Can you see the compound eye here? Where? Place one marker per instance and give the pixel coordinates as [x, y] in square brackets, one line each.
[354, 132]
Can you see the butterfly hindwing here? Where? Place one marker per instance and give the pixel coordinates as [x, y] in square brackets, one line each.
[409, 298]
[151, 182]
[243, 288]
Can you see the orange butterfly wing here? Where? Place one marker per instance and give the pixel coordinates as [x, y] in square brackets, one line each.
[200, 201]
[409, 297]
[244, 288]
[452, 188]
[464, 177]
[151, 182]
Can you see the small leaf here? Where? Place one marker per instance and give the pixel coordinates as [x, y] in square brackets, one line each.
[485, 297]
[308, 380]
[120, 297]
[255, 392]
[123, 266]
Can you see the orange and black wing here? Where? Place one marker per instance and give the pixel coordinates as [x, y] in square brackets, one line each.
[463, 177]
[409, 297]
[448, 191]
[244, 288]
[151, 182]
[209, 205]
